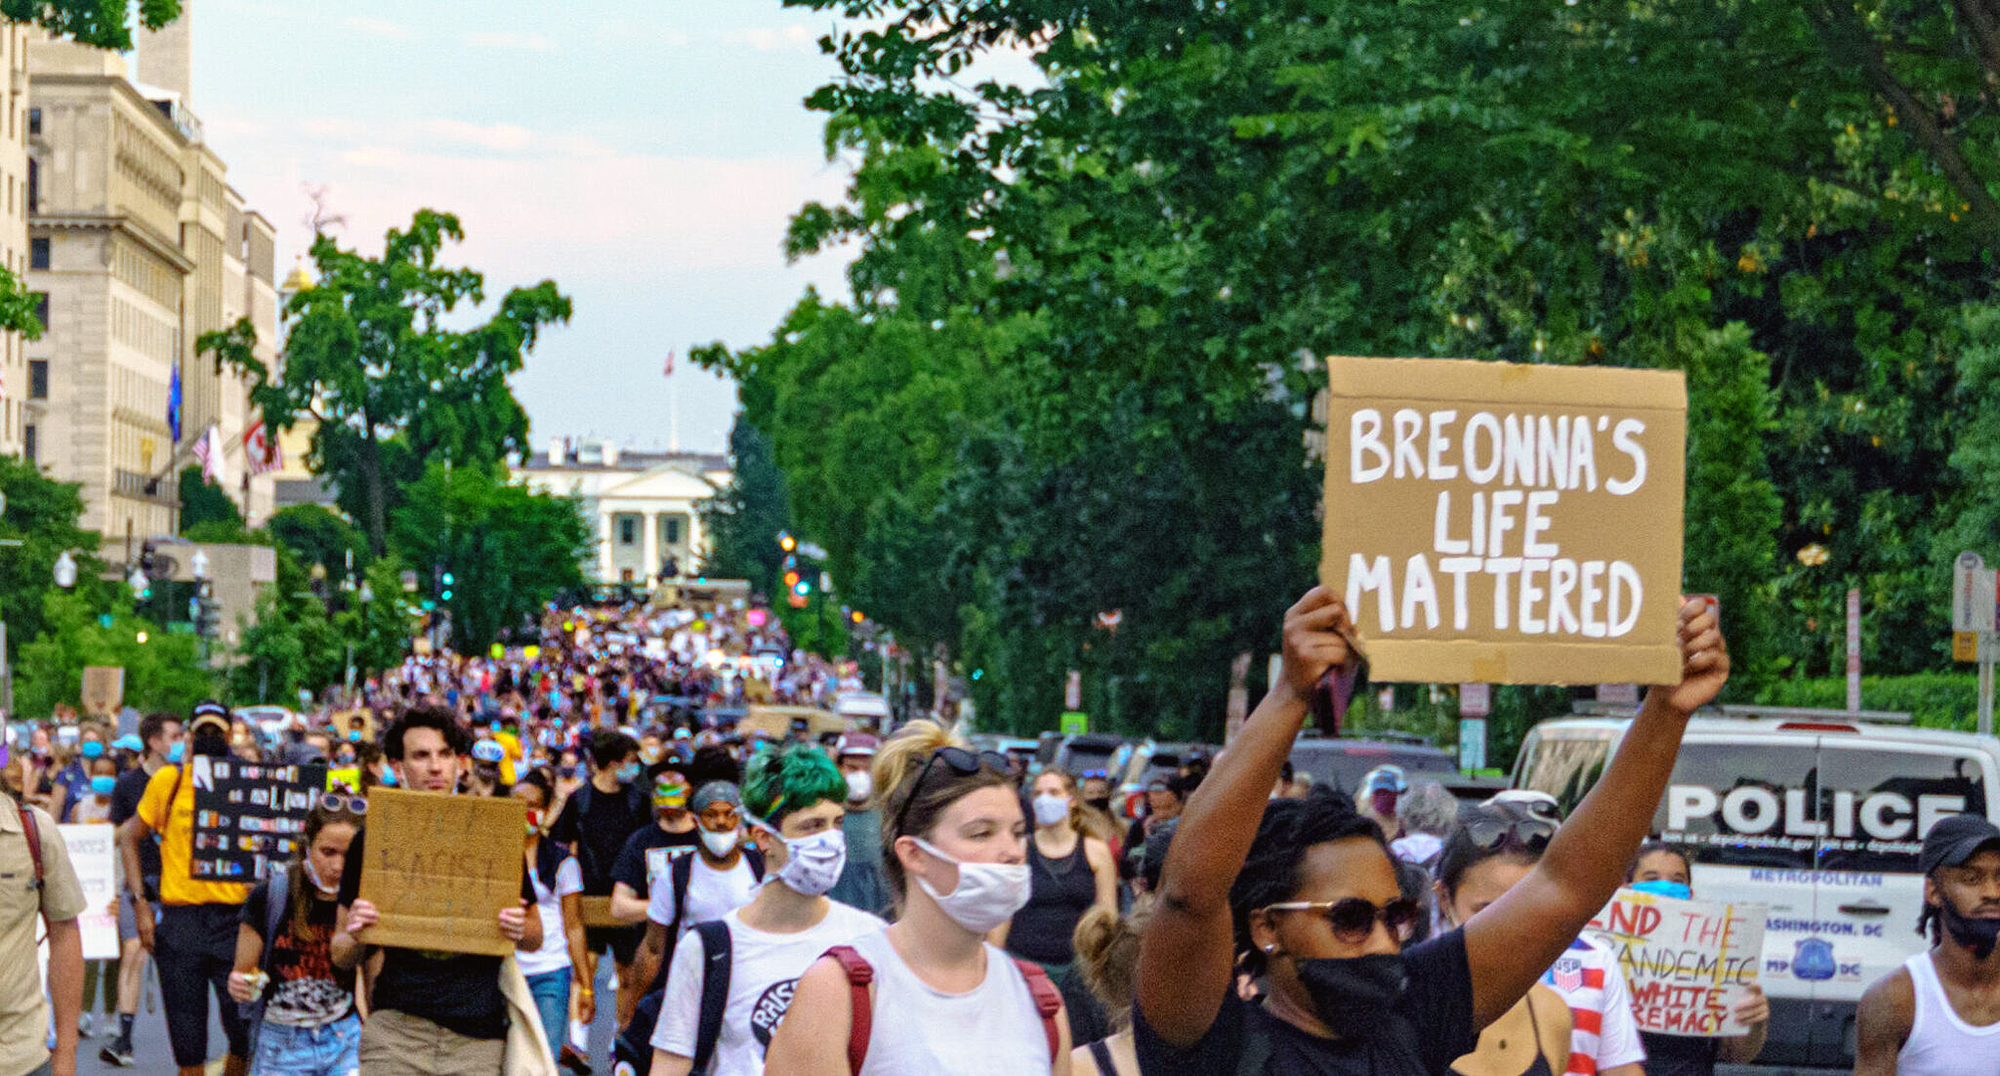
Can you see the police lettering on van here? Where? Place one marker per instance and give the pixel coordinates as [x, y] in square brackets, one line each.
[1874, 822]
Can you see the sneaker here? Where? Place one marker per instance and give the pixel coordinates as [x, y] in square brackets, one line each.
[574, 1061]
[84, 1026]
[117, 1054]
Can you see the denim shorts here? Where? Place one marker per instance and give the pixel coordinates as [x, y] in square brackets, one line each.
[328, 1050]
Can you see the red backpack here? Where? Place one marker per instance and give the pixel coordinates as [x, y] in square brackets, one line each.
[860, 973]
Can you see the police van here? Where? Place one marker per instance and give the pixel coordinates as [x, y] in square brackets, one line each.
[1813, 814]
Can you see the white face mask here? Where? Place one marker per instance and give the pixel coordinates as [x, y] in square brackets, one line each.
[988, 894]
[1050, 810]
[720, 844]
[859, 784]
[813, 864]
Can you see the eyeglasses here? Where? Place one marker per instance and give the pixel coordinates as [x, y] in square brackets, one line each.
[334, 801]
[1354, 919]
[962, 762]
[1088, 774]
[1489, 833]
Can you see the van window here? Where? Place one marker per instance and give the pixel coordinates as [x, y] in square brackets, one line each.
[1744, 805]
[1566, 766]
[1878, 804]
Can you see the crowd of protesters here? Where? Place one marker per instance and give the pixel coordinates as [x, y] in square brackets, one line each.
[873, 904]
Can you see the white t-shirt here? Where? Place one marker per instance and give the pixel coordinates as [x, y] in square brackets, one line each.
[711, 893]
[763, 970]
[554, 953]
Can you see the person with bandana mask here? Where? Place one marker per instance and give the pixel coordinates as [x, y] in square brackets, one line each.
[194, 943]
[645, 859]
[793, 802]
[1939, 1013]
[861, 884]
[301, 1008]
[721, 876]
[1664, 871]
[1304, 895]
[945, 1001]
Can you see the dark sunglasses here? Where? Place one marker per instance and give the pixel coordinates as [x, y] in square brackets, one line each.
[334, 801]
[1354, 919]
[962, 762]
[1489, 834]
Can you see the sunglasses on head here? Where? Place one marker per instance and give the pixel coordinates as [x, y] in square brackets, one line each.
[961, 761]
[334, 801]
[1489, 833]
[1353, 919]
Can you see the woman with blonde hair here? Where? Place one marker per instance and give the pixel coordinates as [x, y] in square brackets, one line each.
[954, 844]
[1071, 872]
[1107, 957]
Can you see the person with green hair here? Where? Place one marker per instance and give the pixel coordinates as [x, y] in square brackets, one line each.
[794, 798]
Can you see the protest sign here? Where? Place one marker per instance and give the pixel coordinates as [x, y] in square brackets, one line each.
[91, 850]
[1686, 961]
[1498, 523]
[440, 868]
[247, 815]
[103, 689]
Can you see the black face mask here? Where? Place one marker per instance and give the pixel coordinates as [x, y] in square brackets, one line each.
[210, 742]
[1353, 995]
[1977, 935]
[1101, 804]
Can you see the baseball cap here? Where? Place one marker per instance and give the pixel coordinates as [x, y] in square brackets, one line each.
[128, 742]
[1386, 779]
[856, 743]
[1956, 839]
[209, 712]
[488, 751]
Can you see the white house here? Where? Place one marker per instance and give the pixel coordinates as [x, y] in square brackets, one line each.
[645, 505]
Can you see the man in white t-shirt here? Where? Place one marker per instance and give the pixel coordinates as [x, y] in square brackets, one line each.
[796, 798]
[720, 877]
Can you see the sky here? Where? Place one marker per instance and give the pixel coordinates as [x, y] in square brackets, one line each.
[644, 154]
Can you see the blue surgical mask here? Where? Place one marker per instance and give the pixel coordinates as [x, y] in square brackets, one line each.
[1661, 887]
[102, 784]
[628, 772]
[175, 752]
[92, 749]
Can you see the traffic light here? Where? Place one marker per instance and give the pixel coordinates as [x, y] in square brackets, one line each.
[786, 542]
[802, 588]
[792, 580]
[445, 594]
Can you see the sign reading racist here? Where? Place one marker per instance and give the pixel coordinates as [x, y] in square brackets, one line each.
[1499, 523]
[440, 868]
[247, 815]
[1687, 962]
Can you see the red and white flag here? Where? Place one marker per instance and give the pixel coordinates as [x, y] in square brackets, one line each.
[260, 451]
[669, 371]
[205, 453]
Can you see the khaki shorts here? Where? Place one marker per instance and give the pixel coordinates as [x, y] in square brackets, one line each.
[398, 1044]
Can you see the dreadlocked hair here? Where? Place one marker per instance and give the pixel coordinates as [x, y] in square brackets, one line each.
[1270, 872]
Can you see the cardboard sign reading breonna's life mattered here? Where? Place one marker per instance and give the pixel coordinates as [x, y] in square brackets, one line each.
[439, 869]
[1496, 523]
[1687, 962]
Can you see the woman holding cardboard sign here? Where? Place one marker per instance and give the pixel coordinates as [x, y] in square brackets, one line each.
[1307, 891]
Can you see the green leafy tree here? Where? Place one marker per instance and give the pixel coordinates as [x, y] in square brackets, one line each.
[290, 644]
[509, 549]
[163, 670]
[320, 536]
[390, 388]
[378, 626]
[93, 22]
[42, 514]
[204, 505]
[744, 520]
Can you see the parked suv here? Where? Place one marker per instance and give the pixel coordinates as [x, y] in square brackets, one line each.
[1814, 816]
[1340, 762]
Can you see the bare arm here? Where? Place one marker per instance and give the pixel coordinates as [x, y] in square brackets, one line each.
[1514, 940]
[65, 989]
[346, 950]
[812, 1039]
[1882, 1024]
[666, 1064]
[249, 951]
[627, 906]
[1098, 855]
[1754, 1009]
[645, 965]
[1187, 958]
[130, 834]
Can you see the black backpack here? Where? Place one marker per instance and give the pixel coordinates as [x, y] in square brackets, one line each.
[680, 873]
[635, 1042]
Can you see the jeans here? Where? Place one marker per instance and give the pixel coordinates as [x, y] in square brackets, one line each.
[551, 991]
[328, 1050]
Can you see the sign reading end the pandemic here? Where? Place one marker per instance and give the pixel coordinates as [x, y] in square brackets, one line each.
[440, 868]
[1687, 962]
[1497, 523]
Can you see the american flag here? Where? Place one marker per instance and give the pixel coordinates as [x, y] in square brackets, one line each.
[208, 452]
[263, 454]
[202, 453]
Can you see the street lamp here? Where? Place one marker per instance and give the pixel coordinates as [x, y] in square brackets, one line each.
[137, 581]
[198, 564]
[65, 570]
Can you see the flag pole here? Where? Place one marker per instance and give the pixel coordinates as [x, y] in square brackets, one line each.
[673, 407]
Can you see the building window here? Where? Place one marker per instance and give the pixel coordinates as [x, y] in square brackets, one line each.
[628, 530]
[34, 122]
[38, 379]
[42, 309]
[28, 443]
[38, 252]
[673, 530]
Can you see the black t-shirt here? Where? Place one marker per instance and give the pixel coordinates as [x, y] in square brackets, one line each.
[637, 865]
[125, 796]
[306, 990]
[1433, 1029]
[1678, 1055]
[456, 991]
[597, 824]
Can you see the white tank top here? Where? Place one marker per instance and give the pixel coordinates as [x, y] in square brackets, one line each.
[993, 1030]
[1941, 1044]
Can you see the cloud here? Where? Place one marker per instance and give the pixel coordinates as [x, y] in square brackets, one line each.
[794, 38]
[440, 135]
[507, 39]
[374, 27]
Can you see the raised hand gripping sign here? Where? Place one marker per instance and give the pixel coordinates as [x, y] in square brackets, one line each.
[1687, 962]
[1491, 522]
[439, 869]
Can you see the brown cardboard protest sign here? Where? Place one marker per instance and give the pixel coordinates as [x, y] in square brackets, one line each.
[1498, 523]
[440, 868]
[103, 689]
